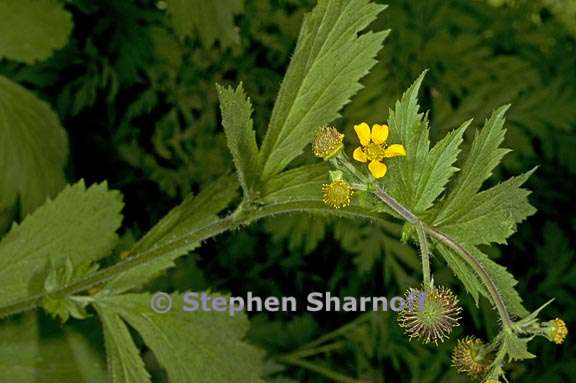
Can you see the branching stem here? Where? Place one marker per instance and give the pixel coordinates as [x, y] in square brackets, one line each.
[250, 214]
[244, 216]
[422, 229]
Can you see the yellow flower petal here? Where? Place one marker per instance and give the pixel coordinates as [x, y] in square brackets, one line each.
[359, 155]
[394, 150]
[379, 133]
[363, 132]
[378, 169]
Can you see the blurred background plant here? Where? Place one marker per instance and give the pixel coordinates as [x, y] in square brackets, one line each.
[135, 90]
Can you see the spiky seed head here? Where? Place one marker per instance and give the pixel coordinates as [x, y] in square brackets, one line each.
[468, 359]
[436, 319]
[327, 142]
[337, 194]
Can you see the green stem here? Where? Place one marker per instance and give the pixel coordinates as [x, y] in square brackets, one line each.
[424, 254]
[139, 257]
[122, 266]
[422, 229]
[396, 206]
[479, 269]
[244, 217]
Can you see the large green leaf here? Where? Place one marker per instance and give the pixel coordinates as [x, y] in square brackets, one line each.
[329, 60]
[482, 217]
[491, 215]
[240, 135]
[437, 169]
[484, 155]
[203, 346]
[79, 224]
[409, 127]
[418, 179]
[33, 149]
[32, 29]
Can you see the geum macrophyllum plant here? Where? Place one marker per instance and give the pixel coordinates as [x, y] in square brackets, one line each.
[407, 180]
[409, 175]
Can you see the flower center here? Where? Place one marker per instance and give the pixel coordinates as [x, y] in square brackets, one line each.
[374, 152]
[337, 194]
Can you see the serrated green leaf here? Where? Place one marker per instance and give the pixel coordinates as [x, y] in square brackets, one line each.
[491, 215]
[124, 362]
[438, 168]
[516, 348]
[35, 351]
[484, 155]
[79, 224]
[203, 346]
[33, 149]
[195, 213]
[32, 29]
[237, 121]
[329, 60]
[408, 127]
[211, 20]
[418, 179]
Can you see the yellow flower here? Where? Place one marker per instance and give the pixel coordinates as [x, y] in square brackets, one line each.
[374, 148]
[337, 194]
[556, 330]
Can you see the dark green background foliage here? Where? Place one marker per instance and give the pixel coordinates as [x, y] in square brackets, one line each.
[135, 91]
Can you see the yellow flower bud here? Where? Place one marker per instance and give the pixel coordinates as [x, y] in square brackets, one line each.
[556, 330]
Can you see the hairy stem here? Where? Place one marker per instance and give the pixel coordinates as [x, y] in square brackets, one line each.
[422, 229]
[424, 253]
[243, 217]
[479, 269]
[396, 206]
[248, 215]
